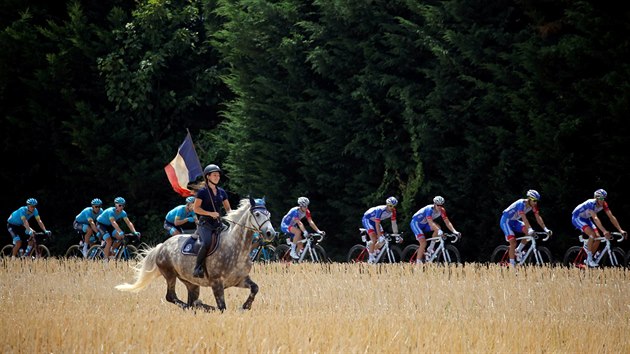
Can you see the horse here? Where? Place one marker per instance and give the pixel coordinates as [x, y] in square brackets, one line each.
[228, 266]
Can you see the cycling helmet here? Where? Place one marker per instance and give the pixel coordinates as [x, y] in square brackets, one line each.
[438, 200]
[31, 201]
[211, 168]
[600, 193]
[532, 194]
[97, 202]
[303, 201]
[190, 199]
[120, 200]
[391, 201]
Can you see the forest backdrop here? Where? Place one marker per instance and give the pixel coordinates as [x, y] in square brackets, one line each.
[345, 102]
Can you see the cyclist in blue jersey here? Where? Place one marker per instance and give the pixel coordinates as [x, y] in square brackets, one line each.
[293, 226]
[207, 206]
[584, 218]
[423, 221]
[109, 227]
[372, 223]
[181, 217]
[19, 227]
[85, 223]
[510, 223]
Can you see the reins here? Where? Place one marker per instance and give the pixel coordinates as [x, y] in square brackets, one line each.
[251, 214]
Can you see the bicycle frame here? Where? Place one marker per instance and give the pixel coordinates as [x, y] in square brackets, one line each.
[606, 250]
[441, 249]
[385, 249]
[308, 241]
[532, 248]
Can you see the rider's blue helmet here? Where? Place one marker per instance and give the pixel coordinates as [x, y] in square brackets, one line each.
[120, 200]
[97, 202]
[532, 194]
[600, 194]
[391, 201]
[190, 199]
[31, 201]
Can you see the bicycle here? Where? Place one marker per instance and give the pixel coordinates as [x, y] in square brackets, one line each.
[575, 256]
[126, 250]
[312, 251]
[263, 251]
[390, 254]
[442, 252]
[533, 254]
[39, 249]
[76, 250]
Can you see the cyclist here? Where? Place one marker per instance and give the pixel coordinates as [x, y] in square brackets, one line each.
[424, 221]
[85, 223]
[207, 206]
[20, 229]
[293, 226]
[108, 226]
[180, 216]
[510, 223]
[585, 219]
[372, 223]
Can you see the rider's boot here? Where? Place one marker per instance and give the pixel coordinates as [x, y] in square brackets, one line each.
[201, 257]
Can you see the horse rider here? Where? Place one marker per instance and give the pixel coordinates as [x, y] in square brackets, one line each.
[207, 206]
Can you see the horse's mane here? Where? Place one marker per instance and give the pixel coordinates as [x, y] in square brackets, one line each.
[243, 206]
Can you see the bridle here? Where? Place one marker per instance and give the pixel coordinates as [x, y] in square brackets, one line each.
[259, 226]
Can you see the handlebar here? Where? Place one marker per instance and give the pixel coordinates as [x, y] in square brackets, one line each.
[619, 234]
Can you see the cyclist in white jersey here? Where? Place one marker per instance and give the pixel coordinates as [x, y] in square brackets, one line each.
[372, 223]
[424, 221]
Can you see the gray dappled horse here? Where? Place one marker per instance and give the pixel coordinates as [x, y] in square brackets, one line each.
[228, 266]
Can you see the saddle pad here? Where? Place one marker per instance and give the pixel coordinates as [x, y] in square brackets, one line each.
[192, 245]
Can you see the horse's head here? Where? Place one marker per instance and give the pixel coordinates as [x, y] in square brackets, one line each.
[261, 219]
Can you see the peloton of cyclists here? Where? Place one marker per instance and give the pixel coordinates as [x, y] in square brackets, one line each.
[372, 223]
[85, 223]
[423, 221]
[108, 226]
[293, 226]
[510, 223]
[20, 229]
[181, 217]
[584, 218]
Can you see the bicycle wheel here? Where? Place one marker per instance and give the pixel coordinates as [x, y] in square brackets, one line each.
[545, 254]
[74, 251]
[358, 254]
[7, 251]
[627, 260]
[396, 253]
[574, 257]
[453, 255]
[501, 255]
[619, 255]
[41, 252]
[283, 253]
[410, 254]
[95, 252]
[266, 254]
[127, 253]
[318, 256]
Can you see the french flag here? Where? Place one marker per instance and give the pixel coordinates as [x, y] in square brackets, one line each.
[184, 168]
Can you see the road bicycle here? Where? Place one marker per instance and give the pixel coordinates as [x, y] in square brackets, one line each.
[441, 253]
[76, 250]
[531, 254]
[385, 253]
[312, 252]
[609, 256]
[126, 250]
[263, 250]
[39, 249]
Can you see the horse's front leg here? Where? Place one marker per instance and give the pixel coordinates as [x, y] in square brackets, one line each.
[253, 287]
[218, 291]
[193, 296]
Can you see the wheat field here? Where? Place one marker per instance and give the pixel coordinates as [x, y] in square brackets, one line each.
[65, 306]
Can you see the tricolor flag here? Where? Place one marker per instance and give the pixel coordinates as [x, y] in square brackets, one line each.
[184, 168]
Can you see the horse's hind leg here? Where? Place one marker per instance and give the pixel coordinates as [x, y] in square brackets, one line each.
[249, 283]
[218, 290]
[171, 295]
[193, 296]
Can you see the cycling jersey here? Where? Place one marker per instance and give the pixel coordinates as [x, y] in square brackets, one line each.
[582, 210]
[420, 220]
[16, 216]
[292, 217]
[87, 214]
[514, 211]
[110, 213]
[180, 213]
[379, 213]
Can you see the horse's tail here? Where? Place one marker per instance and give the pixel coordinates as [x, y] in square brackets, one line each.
[146, 271]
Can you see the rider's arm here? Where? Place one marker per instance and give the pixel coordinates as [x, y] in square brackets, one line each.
[614, 221]
[450, 225]
[300, 225]
[41, 223]
[115, 225]
[312, 223]
[433, 224]
[598, 222]
[200, 211]
[27, 226]
[130, 225]
[226, 205]
[523, 216]
[92, 225]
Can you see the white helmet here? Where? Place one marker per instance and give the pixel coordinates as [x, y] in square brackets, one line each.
[532, 194]
[391, 201]
[600, 193]
[438, 200]
[303, 202]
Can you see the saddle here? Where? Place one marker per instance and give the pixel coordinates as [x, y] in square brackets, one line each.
[192, 244]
